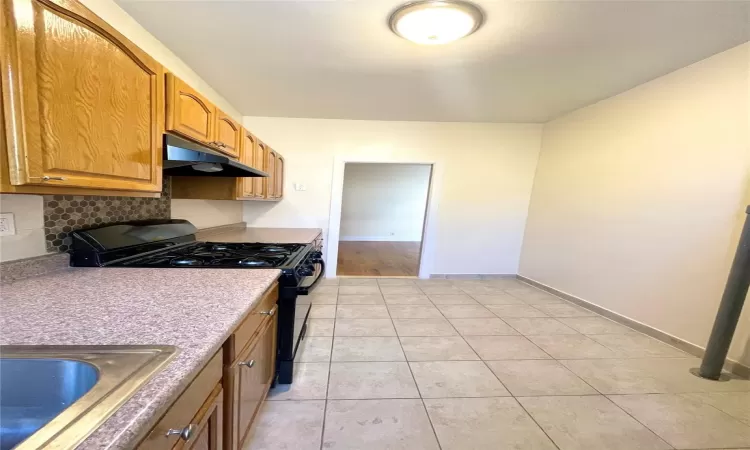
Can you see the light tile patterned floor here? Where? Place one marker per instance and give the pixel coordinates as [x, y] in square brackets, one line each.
[488, 364]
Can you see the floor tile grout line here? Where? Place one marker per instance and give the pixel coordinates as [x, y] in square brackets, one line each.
[537, 423]
[421, 398]
[328, 382]
[638, 421]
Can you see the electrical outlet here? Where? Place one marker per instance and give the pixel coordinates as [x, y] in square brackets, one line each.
[299, 187]
[7, 224]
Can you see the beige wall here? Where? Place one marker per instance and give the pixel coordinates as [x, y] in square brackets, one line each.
[28, 209]
[638, 199]
[484, 174]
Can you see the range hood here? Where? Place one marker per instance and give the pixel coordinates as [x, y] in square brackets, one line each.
[186, 158]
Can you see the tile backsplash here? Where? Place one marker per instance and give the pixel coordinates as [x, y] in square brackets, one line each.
[65, 213]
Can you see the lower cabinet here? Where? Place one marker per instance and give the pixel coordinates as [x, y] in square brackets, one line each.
[250, 377]
[209, 433]
[217, 409]
[195, 420]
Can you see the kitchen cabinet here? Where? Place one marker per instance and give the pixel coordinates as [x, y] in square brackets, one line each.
[82, 105]
[217, 409]
[271, 171]
[208, 433]
[252, 377]
[279, 178]
[195, 420]
[191, 115]
[228, 134]
[246, 185]
[188, 112]
[261, 159]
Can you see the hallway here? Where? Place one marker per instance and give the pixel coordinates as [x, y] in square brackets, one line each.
[378, 259]
[489, 364]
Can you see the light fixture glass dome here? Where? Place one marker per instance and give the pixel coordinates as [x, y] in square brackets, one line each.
[436, 22]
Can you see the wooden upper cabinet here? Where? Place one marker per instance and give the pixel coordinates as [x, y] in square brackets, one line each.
[261, 158]
[247, 156]
[82, 105]
[279, 177]
[229, 134]
[271, 170]
[189, 113]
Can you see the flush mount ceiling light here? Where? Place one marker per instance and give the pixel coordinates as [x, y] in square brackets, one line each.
[435, 22]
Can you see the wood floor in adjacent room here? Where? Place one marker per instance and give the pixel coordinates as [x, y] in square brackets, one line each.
[386, 259]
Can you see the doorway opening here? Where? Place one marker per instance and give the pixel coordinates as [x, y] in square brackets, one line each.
[382, 219]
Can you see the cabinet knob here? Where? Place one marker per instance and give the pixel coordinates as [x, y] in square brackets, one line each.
[184, 433]
[247, 364]
[268, 313]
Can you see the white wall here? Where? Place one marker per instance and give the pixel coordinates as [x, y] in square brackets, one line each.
[384, 202]
[638, 199]
[207, 213]
[28, 216]
[481, 197]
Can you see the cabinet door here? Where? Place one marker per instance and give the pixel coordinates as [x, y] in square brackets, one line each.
[261, 158]
[189, 113]
[254, 373]
[208, 423]
[279, 177]
[83, 106]
[228, 136]
[271, 180]
[246, 185]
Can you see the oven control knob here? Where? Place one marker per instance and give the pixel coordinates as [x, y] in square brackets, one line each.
[305, 271]
[315, 254]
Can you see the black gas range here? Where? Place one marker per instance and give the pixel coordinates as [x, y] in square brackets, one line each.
[173, 244]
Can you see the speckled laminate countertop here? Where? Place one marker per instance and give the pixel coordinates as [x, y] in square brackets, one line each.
[192, 309]
[267, 235]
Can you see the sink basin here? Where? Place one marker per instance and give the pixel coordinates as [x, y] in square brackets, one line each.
[35, 391]
[54, 397]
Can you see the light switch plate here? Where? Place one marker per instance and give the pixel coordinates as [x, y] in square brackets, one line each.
[299, 187]
[7, 224]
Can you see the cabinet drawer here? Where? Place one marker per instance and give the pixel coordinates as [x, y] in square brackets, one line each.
[266, 307]
[187, 409]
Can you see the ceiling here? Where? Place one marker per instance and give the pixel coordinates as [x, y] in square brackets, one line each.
[530, 62]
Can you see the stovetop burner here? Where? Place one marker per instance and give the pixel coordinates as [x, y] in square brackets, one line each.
[210, 254]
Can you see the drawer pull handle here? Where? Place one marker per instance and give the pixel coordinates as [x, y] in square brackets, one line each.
[184, 433]
[268, 313]
[48, 178]
[248, 364]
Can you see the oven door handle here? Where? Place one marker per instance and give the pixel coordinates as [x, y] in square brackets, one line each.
[304, 290]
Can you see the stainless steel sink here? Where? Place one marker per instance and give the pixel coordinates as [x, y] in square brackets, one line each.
[53, 397]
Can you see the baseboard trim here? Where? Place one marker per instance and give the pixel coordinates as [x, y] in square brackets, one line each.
[732, 366]
[474, 276]
[375, 239]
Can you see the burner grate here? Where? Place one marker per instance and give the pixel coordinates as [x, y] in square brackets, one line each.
[209, 254]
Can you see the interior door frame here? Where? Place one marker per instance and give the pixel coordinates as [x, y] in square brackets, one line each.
[427, 247]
